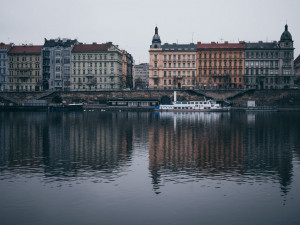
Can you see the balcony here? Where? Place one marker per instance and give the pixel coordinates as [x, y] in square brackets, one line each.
[89, 75]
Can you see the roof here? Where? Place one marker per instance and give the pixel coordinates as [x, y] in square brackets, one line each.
[297, 60]
[59, 42]
[90, 47]
[26, 49]
[261, 45]
[225, 45]
[4, 46]
[179, 47]
[286, 35]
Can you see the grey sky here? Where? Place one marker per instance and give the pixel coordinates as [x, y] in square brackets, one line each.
[131, 23]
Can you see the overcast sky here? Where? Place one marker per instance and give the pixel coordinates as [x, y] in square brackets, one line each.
[130, 23]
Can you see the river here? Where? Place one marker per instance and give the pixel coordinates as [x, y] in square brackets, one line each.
[149, 168]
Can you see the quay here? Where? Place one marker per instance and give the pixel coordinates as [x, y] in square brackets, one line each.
[145, 100]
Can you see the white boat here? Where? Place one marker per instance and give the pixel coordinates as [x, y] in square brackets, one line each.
[192, 106]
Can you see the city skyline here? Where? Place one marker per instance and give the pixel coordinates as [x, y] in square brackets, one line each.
[131, 24]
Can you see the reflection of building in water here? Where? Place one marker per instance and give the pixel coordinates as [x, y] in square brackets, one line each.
[254, 148]
[63, 143]
[200, 141]
[89, 140]
[268, 147]
[21, 142]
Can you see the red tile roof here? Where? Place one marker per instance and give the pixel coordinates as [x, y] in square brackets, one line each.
[90, 47]
[225, 45]
[26, 49]
[4, 46]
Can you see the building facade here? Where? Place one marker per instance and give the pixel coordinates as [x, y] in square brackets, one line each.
[297, 69]
[220, 65]
[287, 74]
[262, 61]
[270, 65]
[4, 65]
[96, 67]
[56, 57]
[127, 68]
[25, 68]
[172, 65]
[141, 76]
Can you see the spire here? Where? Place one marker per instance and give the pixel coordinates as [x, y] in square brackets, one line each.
[156, 42]
[286, 35]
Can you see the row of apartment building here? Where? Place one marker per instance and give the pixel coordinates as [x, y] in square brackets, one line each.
[243, 65]
[64, 64]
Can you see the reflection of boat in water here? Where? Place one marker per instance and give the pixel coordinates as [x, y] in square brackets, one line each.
[261, 109]
[66, 108]
[192, 106]
[193, 116]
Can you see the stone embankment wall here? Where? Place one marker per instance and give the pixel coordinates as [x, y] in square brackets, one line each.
[239, 98]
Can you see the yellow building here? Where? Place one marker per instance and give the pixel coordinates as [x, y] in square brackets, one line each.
[25, 68]
[172, 65]
[96, 67]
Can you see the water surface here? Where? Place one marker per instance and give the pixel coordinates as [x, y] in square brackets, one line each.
[149, 168]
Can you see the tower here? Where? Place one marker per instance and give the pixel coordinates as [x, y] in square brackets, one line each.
[286, 59]
[156, 42]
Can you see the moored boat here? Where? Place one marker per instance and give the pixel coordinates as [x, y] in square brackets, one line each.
[66, 108]
[261, 109]
[192, 106]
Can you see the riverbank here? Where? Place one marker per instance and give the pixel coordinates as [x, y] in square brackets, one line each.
[102, 107]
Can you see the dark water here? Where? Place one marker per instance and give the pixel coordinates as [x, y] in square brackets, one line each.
[146, 168]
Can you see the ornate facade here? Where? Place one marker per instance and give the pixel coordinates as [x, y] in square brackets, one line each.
[270, 65]
[172, 65]
[56, 57]
[96, 67]
[220, 65]
[25, 68]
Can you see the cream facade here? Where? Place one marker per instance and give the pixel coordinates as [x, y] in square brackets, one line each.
[25, 68]
[96, 67]
[172, 65]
